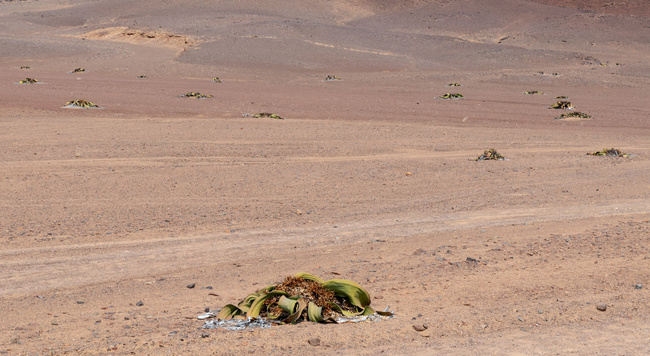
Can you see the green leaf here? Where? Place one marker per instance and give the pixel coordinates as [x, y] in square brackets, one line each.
[287, 304]
[347, 289]
[248, 301]
[309, 277]
[228, 312]
[315, 313]
[256, 307]
[302, 304]
[368, 311]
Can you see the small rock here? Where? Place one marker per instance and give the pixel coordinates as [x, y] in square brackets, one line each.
[191, 285]
[80, 302]
[419, 327]
[139, 304]
[314, 341]
[408, 174]
[638, 286]
[419, 252]
[379, 297]
[204, 335]
[601, 307]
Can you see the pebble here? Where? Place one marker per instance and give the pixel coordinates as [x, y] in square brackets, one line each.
[601, 307]
[191, 285]
[80, 302]
[638, 286]
[204, 335]
[314, 341]
[419, 327]
[139, 304]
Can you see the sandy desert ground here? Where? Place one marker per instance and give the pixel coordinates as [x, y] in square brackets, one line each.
[107, 215]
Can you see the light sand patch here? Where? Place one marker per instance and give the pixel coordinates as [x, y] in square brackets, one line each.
[125, 34]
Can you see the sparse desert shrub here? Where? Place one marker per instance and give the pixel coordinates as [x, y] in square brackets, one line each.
[574, 114]
[196, 95]
[611, 152]
[332, 78]
[490, 155]
[263, 115]
[81, 103]
[303, 297]
[562, 105]
[28, 81]
[450, 96]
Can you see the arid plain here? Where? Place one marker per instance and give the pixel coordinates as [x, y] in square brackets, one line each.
[107, 215]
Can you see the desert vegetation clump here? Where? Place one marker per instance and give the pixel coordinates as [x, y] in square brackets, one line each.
[574, 114]
[562, 105]
[332, 78]
[611, 152]
[25, 67]
[303, 297]
[533, 92]
[454, 84]
[28, 81]
[216, 80]
[264, 115]
[81, 103]
[450, 96]
[78, 70]
[196, 95]
[490, 155]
